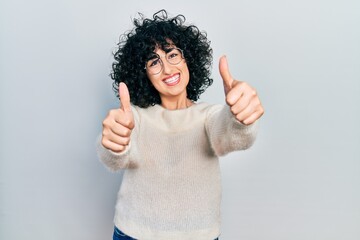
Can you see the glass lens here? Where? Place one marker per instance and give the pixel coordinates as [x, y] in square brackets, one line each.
[174, 56]
[154, 65]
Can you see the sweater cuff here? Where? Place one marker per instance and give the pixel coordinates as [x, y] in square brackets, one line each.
[113, 160]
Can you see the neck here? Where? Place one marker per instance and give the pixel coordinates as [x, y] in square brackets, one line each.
[174, 104]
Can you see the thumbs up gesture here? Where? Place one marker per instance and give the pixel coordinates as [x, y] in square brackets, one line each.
[118, 124]
[243, 100]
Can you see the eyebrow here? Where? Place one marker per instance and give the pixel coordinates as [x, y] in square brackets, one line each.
[152, 56]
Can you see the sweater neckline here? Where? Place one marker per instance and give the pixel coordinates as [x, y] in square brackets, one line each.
[175, 110]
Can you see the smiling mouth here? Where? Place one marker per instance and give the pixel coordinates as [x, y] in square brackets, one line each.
[173, 80]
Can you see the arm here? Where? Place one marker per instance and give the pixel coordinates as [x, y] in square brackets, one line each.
[113, 160]
[234, 127]
[226, 134]
[113, 146]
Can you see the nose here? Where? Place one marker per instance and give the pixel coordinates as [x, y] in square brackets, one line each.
[166, 67]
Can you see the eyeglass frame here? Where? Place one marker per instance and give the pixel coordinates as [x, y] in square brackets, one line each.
[161, 61]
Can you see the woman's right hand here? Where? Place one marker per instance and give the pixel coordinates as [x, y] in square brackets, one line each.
[118, 124]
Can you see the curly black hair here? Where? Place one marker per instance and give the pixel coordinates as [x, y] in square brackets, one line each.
[136, 46]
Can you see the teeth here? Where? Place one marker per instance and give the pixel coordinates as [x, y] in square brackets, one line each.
[172, 79]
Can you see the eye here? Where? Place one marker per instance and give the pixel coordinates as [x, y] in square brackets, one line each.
[153, 62]
[173, 54]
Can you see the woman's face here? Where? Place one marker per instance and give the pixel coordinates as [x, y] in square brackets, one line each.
[173, 77]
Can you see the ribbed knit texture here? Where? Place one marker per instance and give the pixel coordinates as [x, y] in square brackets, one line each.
[171, 187]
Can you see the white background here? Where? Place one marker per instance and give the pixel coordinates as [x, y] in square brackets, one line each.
[301, 179]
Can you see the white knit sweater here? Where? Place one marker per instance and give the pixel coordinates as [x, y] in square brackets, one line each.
[171, 188]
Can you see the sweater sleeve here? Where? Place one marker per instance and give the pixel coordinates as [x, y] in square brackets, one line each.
[226, 134]
[112, 160]
[116, 161]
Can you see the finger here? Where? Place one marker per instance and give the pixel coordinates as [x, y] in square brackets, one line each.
[109, 135]
[113, 146]
[121, 130]
[234, 95]
[246, 113]
[225, 74]
[255, 108]
[253, 117]
[240, 104]
[119, 140]
[119, 116]
[240, 96]
[124, 97]
[125, 120]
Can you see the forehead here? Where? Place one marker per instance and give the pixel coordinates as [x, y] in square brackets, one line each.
[160, 48]
[165, 49]
[159, 51]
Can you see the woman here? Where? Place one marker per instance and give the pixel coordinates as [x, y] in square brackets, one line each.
[167, 144]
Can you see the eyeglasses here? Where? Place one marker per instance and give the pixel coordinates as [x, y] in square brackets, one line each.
[155, 65]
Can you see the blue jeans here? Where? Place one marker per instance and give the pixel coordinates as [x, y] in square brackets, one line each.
[119, 235]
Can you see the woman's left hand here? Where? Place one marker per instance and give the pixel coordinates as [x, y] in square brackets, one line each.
[240, 96]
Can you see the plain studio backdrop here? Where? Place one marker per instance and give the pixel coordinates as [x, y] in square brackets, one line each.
[301, 179]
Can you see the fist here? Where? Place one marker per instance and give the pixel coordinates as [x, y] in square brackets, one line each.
[243, 100]
[118, 124]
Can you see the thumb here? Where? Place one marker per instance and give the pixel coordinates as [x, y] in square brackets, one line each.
[124, 97]
[225, 74]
